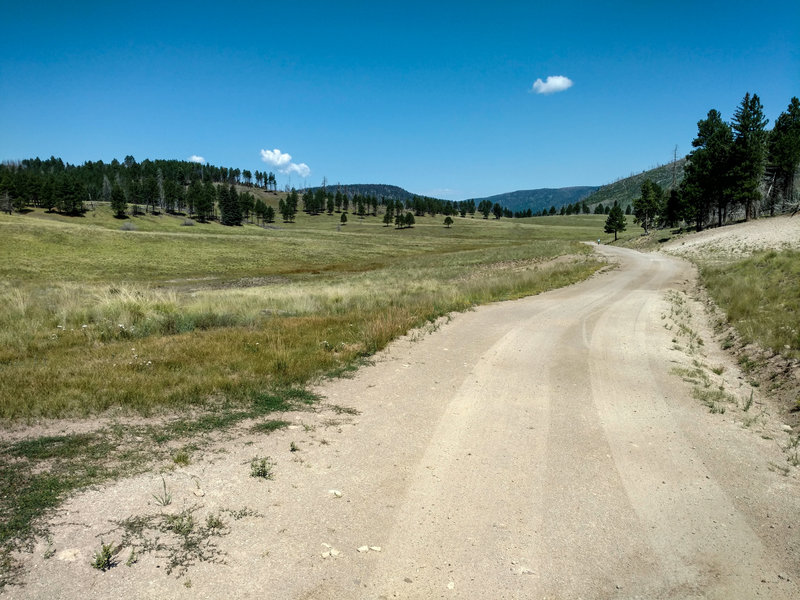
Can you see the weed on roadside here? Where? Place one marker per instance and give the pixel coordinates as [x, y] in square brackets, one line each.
[105, 558]
[261, 468]
[176, 537]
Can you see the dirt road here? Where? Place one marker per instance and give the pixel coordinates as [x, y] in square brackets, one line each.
[532, 449]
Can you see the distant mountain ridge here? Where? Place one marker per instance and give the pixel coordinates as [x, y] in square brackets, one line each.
[539, 199]
[624, 190]
[379, 190]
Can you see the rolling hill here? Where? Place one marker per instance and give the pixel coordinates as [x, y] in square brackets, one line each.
[626, 189]
[379, 190]
[538, 199]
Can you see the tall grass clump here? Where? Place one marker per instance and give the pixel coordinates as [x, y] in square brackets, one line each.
[761, 298]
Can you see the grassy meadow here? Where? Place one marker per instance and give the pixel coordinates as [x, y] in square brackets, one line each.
[761, 297]
[173, 313]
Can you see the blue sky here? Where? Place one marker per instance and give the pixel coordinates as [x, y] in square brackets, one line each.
[436, 97]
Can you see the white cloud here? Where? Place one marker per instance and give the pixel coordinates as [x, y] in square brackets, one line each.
[282, 161]
[196, 159]
[553, 83]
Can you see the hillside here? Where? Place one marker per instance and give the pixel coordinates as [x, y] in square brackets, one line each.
[541, 198]
[378, 190]
[625, 190]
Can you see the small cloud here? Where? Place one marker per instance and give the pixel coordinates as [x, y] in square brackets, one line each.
[196, 159]
[282, 161]
[554, 83]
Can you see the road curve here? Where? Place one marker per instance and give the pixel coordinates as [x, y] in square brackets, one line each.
[539, 449]
[542, 449]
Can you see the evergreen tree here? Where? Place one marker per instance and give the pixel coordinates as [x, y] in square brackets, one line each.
[749, 153]
[616, 221]
[388, 216]
[448, 221]
[118, 203]
[707, 181]
[200, 204]
[673, 211]
[649, 206]
[409, 219]
[784, 149]
[269, 214]
[343, 219]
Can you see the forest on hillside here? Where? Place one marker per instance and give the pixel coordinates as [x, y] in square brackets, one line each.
[736, 170]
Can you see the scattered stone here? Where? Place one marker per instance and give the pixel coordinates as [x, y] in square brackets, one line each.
[363, 548]
[787, 427]
[335, 552]
[375, 548]
[335, 493]
[199, 493]
[69, 555]
[525, 571]
[451, 585]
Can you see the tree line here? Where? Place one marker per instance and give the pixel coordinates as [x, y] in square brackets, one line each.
[157, 185]
[736, 170]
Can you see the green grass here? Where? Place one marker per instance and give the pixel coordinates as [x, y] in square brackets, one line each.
[761, 298]
[94, 318]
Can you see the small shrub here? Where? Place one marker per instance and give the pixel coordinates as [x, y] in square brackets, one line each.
[105, 558]
[214, 522]
[261, 467]
[181, 458]
[128, 226]
[187, 223]
[181, 524]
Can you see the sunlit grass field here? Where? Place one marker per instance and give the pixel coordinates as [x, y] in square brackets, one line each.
[169, 315]
[761, 298]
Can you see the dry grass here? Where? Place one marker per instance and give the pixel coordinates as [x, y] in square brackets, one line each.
[94, 318]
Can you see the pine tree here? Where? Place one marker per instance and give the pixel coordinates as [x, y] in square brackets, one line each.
[707, 181]
[616, 221]
[784, 149]
[117, 200]
[388, 216]
[647, 207]
[749, 153]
